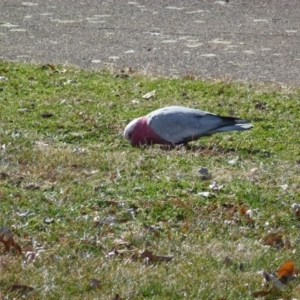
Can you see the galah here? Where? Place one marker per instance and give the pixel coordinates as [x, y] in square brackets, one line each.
[173, 125]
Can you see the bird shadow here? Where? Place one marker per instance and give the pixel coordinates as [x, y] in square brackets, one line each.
[214, 149]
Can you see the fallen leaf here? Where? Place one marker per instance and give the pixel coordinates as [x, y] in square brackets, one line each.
[23, 110]
[243, 210]
[228, 261]
[3, 176]
[260, 105]
[150, 257]
[111, 253]
[215, 187]
[120, 242]
[49, 220]
[296, 208]
[152, 229]
[273, 239]
[32, 187]
[30, 257]
[67, 82]
[287, 243]
[249, 213]
[94, 283]
[52, 67]
[205, 194]
[233, 161]
[284, 187]
[149, 95]
[235, 214]
[6, 237]
[260, 294]
[169, 234]
[47, 115]
[21, 289]
[109, 220]
[229, 206]
[241, 266]
[286, 272]
[114, 202]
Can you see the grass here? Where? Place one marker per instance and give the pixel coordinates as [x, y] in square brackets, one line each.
[77, 196]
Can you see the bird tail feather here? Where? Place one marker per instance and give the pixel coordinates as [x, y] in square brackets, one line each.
[235, 127]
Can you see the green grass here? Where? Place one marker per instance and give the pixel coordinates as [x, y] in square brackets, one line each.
[72, 188]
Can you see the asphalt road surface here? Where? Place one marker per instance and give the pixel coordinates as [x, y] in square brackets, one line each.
[248, 40]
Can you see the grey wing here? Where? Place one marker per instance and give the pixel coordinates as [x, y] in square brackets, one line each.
[177, 124]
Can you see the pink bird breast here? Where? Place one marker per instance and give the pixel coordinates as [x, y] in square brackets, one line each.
[143, 134]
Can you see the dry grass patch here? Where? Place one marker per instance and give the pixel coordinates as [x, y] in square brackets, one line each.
[98, 219]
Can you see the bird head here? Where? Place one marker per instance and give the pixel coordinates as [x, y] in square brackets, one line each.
[129, 130]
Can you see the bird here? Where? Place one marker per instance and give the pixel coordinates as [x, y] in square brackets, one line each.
[175, 125]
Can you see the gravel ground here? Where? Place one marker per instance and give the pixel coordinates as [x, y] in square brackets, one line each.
[256, 41]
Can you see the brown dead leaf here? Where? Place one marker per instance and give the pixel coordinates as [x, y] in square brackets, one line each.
[273, 239]
[5, 261]
[228, 261]
[94, 283]
[122, 74]
[152, 230]
[260, 294]
[123, 253]
[296, 209]
[120, 242]
[6, 237]
[130, 70]
[3, 176]
[112, 177]
[124, 220]
[237, 214]
[119, 252]
[279, 280]
[169, 234]
[286, 272]
[126, 252]
[114, 203]
[51, 67]
[271, 278]
[47, 115]
[260, 105]
[243, 210]
[150, 257]
[32, 187]
[287, 243]
[21, 289]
